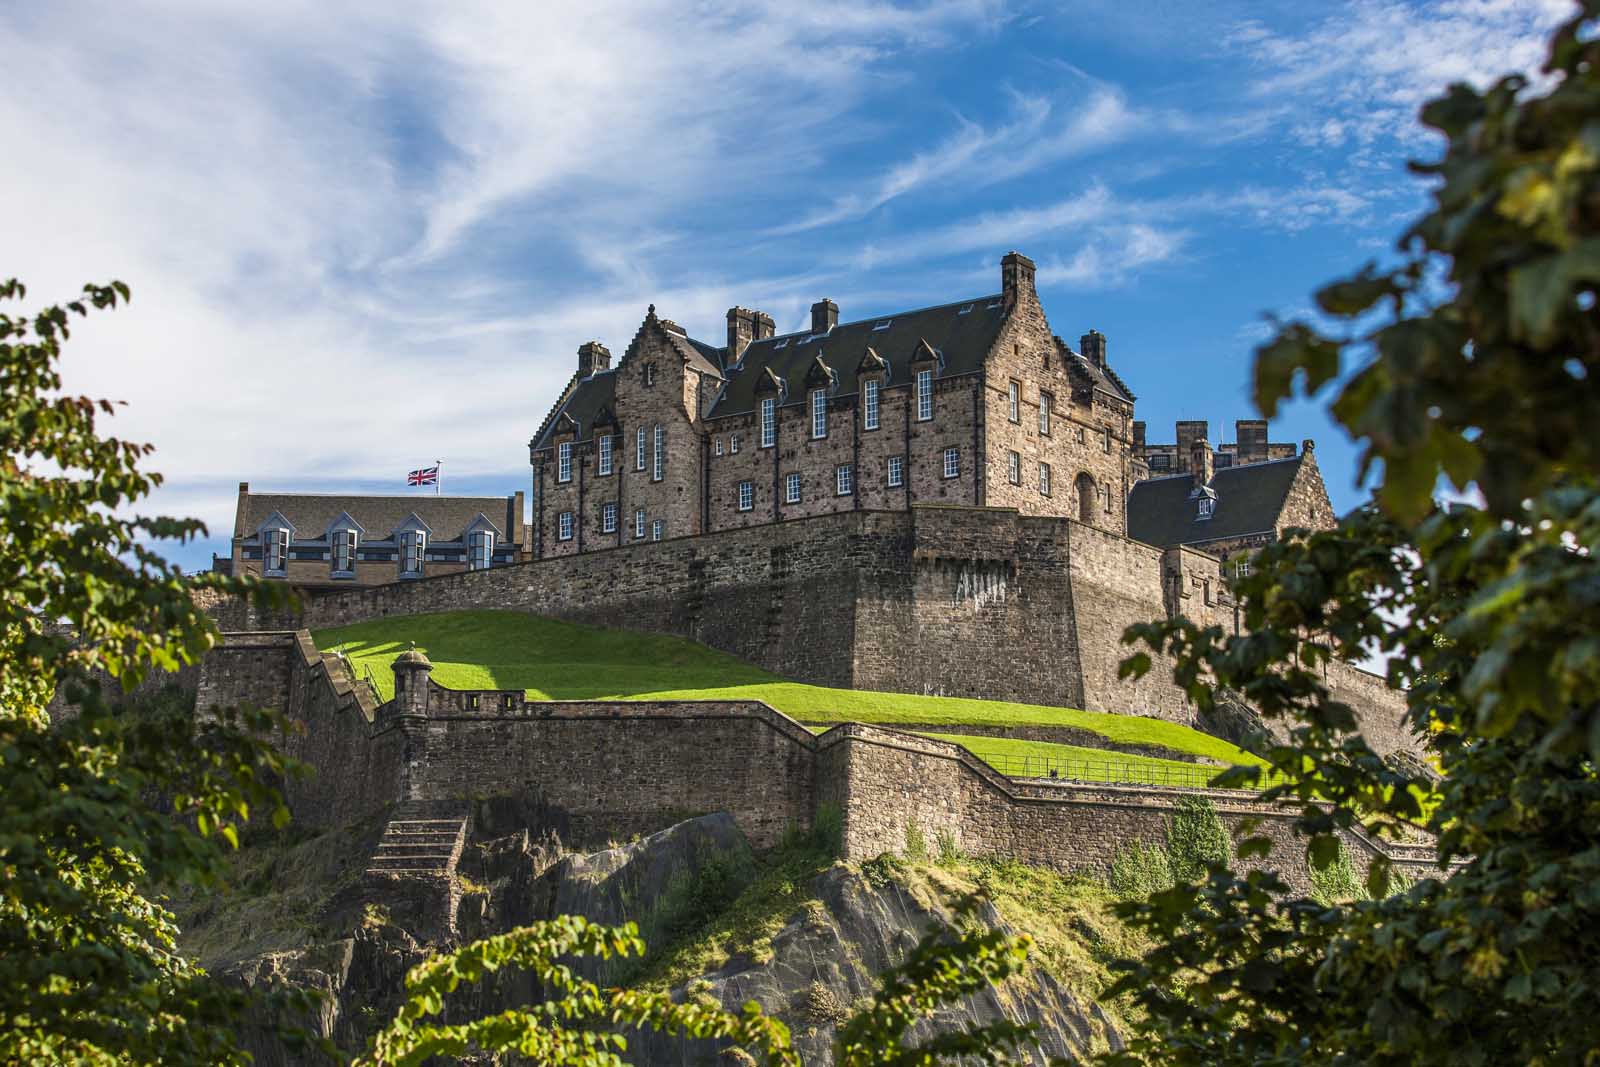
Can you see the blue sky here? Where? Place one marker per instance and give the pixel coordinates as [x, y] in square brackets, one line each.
[365, 238]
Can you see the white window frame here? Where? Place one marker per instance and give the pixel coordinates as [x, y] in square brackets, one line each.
[480, 550]
[769, 421]
[413, 551]
[1014, 467]
[924, 395]
[733, 444]
[844, 480]
[952, 463]
[608, 517]
[638, 524]
[791, 489]
[897, 471]
[1014, 400]
[275, 546]
[564, 526]
[658, 462]
[603, 464]
[869, 403]
[747, 496]
[1044, 479]
[1205, 507]
[718, 439]
[638, 457]
[1241, 569]
[344, 541]
[564, 461]
[1046, 402]
[658, 529]
[819, 414]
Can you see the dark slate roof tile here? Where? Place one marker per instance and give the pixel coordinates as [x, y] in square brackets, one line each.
[1249, 500]
[311, 513]
[583, 404]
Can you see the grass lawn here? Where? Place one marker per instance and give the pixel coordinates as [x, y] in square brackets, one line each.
[1038, 758]
[555, 660]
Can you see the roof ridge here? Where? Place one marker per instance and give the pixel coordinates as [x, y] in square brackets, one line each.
[879, 318]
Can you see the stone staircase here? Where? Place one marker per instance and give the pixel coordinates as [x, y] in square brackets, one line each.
[422, 840]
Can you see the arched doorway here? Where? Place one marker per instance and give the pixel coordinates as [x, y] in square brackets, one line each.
[1087, 495]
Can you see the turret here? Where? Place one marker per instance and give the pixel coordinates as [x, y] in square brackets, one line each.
[411, 671]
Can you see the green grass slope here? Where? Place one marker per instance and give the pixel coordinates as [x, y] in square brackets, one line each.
[555, 660]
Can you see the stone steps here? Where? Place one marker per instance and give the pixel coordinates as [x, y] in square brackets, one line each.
[421, 839]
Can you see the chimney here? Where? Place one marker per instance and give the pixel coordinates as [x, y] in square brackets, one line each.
[824, 315]
[1250, 439]
[744, 326]
[764, 327]
[1189, 431]
[1200, 463]
[1093, 347]
[593, 357]
[1016, 279]
[1138, 438]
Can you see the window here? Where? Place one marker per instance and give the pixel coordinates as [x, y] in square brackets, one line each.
[480, 550]
[1106, 443]
[1046, 401]
[657, 529]
[1044, 479]
[564, 461]
[605, 454]
[791, 489]
[608, 518]
[869, 403]
[344, 551]
[1014, 468]
[638, 524]
[1080, 435]
[274, 549]
[659, 463]
[819, 414]
[564, 526]
[649, 374]
[1014, 401]
[769, 422]
[897, 471]
[718, 440]
[844, 480]
[733, 444]
[952, 463]
[1241, 569]
[413, 549]
[638, 452]
[884, 325]
[1160, 462]
[1205, 506]
[747, 496]
[924, 395]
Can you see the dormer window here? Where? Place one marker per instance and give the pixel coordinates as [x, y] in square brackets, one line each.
[1204, 506]
[480, 550]
[344, 551]
[413, 547]
[274, 550]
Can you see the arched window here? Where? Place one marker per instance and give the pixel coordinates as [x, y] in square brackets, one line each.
[1087, 494]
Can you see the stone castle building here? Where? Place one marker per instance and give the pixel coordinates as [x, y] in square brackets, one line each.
[975, 402]
[322, 542]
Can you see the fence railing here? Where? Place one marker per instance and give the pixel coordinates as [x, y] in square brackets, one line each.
[1100, 771]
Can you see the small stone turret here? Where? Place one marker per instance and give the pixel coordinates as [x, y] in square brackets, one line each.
[411, 671]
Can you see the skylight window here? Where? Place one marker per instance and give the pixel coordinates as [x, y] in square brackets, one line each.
[994, 304]
[884, 325]
[780, 344]
[966, 309]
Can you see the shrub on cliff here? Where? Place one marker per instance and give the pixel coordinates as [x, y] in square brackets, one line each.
[1477, 363]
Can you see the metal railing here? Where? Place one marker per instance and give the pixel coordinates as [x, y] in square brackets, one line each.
[1103, 771]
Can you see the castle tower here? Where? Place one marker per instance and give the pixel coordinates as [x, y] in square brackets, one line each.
[411, 671]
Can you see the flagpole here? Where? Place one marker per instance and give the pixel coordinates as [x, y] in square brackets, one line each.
[438, 483]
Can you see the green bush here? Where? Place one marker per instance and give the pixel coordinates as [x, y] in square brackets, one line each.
[949, 853]
[1140, 870]
[916, 843]
[1338, 882]
[1196, 837]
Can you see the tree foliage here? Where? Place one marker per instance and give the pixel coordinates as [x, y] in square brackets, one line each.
[1475, 363]
[108, 802]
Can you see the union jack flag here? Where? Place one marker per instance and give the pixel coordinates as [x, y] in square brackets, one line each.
[425, 476]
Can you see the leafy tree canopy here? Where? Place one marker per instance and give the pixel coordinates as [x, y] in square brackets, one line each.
[1473, 363]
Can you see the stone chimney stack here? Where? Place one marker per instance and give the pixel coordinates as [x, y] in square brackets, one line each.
[1190, 431]
[824, 315]
[1250, 438]
[744, 326]
[1138, 437]
[411, 670]
[593, 357]
[1093, 347]
[1016, 279]
[1201, 463]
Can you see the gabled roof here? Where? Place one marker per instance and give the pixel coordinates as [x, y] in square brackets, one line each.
[1249, 500]
[1082, 368]
[310, 514]
[962, 337]
[583, 405]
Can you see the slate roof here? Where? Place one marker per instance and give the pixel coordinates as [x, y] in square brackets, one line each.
[1106, 379]
[311, 513]
[1249, 500]
[584, 403]
[962, 338]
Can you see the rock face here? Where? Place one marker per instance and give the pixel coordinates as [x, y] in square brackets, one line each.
[824, 959]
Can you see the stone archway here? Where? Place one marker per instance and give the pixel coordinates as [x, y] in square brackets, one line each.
[1088, 494]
